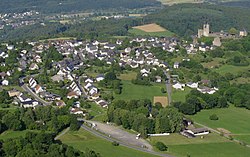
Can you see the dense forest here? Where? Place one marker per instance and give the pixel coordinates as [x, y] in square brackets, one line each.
[185, 19]
[59, 6]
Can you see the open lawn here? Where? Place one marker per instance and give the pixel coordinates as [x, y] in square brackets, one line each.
[236, 120]
[128, 76]
[132, 91]
[179, 95]
[214, 63]
[82, 140]
[232, 69]
[227, 149]
[212, 145]
[14, 134]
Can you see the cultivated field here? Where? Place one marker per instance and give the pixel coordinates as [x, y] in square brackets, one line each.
[82, 140]
[151, 28]
[161, 99]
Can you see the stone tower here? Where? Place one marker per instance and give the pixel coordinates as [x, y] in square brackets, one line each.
[206, 30]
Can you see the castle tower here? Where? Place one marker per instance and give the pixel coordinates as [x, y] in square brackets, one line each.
[206, 30]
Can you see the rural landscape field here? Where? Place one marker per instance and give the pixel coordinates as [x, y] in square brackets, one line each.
[124, 78]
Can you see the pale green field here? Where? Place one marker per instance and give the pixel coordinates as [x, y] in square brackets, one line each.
[132, 91]
[82, 140]
[212, 145]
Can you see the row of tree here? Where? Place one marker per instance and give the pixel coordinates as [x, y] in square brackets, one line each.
[141, 116]
[40, 144]
[42, 118]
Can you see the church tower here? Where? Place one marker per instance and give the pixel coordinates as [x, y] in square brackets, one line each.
[206, 30]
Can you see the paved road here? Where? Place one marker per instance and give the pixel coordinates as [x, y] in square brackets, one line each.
[27, 89]
[123, 144]
[62, 133]
[121, 135]
[79, 84]
[168, 86]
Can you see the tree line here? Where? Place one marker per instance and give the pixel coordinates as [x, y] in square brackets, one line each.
[145, 118]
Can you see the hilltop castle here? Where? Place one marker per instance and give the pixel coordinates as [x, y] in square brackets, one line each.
[204, 32]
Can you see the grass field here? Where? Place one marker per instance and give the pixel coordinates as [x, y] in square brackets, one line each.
[128, 76]
[212, 145]
[235, 120]
[82, 140]
[212, 64]
[179, 95]
[132, 91]
[227, 149]
[14, 134]
[232, 69]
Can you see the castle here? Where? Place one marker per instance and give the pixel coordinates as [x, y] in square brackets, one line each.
[204, 32]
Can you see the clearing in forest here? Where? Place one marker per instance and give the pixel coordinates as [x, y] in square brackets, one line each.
[153, 27]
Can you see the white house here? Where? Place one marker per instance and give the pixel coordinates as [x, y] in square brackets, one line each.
[176, 65]
[179, 86]
[192, 84]
[100, 78]
[5, 82]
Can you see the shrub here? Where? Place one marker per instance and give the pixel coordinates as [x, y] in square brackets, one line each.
[114, 143]
[214, 117]
[161, 146]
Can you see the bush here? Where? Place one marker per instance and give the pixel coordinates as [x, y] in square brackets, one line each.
[214, 117]
[114, 143]
[161, 146]
[163, 90]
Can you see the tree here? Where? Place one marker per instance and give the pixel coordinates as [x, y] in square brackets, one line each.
[233, 31]
[114, 143]
[213, 117]
[11, 120]
[74, 126]
[110, 76]
[161, 146]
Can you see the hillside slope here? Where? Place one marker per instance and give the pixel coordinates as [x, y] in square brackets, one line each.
[57, 6]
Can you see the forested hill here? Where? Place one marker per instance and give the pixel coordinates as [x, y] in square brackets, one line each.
[185, 19]
[57, 6]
